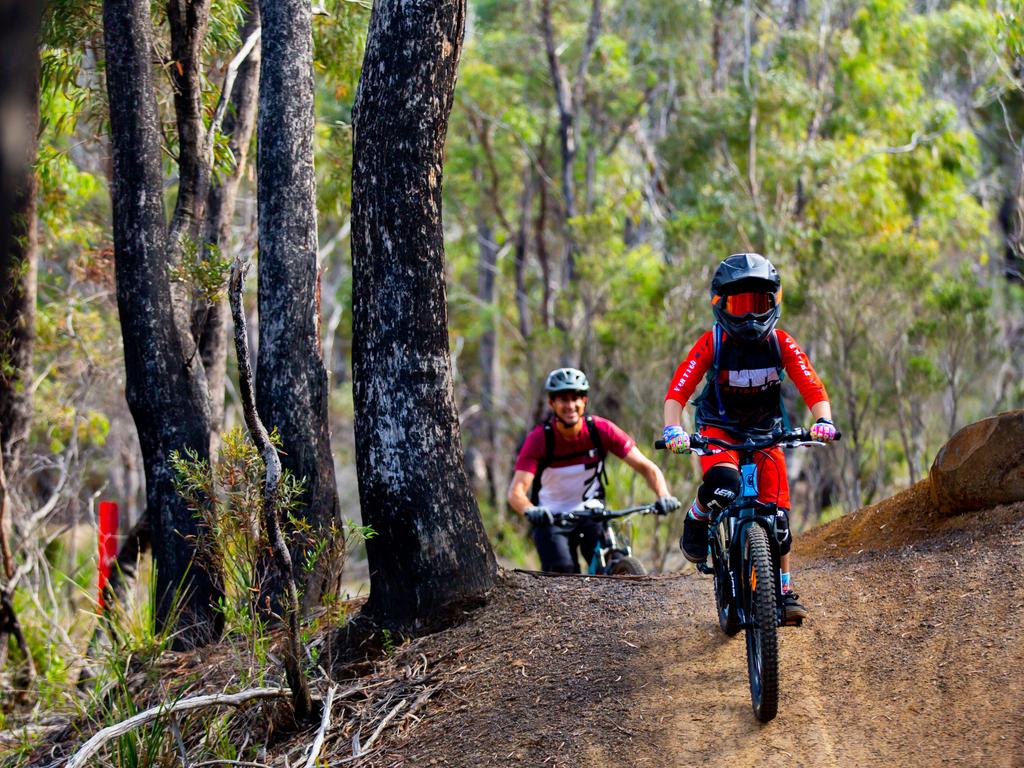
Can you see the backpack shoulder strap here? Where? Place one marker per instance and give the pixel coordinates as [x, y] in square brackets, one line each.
[777, 349]
[718, 337]
[777, 352]
[546, 459]
[595, 437]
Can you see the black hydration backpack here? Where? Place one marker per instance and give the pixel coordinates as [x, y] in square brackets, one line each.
[550, 458]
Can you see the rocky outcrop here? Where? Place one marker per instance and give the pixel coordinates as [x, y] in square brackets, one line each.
[981, 466]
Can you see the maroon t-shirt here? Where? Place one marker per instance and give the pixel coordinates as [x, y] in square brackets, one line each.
[565, 483]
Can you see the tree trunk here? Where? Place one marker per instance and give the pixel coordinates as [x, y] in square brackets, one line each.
[430, 556]
[18, 264]
[165, 388]
[210, 319]
[486, 274]
[291, 385]
[188, 20]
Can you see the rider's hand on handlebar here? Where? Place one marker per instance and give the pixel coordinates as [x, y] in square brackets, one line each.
[676, 439]
[824, 431]
[666, 504]
[539, 516]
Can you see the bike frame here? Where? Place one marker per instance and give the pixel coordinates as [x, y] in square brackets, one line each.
[732, 525]
[610, 542]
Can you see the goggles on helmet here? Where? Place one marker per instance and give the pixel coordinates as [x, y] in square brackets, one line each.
[748, 303]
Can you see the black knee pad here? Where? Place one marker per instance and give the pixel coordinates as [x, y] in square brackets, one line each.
[721, 485]
[782, 534]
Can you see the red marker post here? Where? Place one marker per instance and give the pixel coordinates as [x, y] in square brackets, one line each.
[107, 545]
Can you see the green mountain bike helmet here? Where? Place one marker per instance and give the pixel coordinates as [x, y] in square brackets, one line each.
[566, 380]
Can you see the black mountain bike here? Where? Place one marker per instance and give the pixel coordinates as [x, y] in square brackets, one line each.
[612, 555]
[745, 564]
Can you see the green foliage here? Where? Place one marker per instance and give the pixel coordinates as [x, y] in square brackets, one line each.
[203, 268]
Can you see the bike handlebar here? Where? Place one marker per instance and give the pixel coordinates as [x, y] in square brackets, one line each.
[794, 438]
[600, 515]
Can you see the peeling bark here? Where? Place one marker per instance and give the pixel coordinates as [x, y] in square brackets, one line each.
[430, 555]
[165, 386]
[291, 382]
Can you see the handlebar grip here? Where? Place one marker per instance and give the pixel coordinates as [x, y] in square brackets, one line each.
[659, 445]
[839, 435]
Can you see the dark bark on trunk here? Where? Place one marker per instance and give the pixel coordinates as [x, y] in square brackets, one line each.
[165, 388]
[18, 264]
[291, 385]
[9, 624]
[19, 65]
[210, 321]
[188, 20]
[430, 556]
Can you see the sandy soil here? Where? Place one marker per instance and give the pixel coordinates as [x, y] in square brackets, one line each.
[911, 657]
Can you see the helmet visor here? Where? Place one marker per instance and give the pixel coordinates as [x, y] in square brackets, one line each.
[750, 303]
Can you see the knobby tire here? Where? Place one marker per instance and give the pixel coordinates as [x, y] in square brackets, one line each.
[762, 638]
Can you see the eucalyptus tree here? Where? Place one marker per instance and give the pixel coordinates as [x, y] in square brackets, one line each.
[165, 382]
[291, 385]
[19, 113]
[19, 121]
[429, 556]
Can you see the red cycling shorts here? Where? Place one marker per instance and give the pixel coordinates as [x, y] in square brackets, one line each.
[772, 482]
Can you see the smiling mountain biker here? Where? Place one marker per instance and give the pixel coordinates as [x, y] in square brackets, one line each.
[743, 358]
[561, 465]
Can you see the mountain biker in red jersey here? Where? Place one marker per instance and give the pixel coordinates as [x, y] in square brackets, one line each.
[561, 465]
[743, 358]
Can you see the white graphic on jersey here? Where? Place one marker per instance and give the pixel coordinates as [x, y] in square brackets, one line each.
[753, 377]
[563, 488]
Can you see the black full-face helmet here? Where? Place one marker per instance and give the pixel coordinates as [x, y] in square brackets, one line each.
[566, 380]
[746, 296]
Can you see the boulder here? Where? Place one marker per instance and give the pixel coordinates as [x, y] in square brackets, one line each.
[981, 466]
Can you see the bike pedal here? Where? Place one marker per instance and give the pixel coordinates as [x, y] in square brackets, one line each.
[793, 623]
[705, 568]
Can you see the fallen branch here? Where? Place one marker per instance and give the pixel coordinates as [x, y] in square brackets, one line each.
[383, 724]
[325, 723]
[87, 750]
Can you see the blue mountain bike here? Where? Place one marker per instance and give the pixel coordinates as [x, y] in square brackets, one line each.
[745, 558]
[613, 555]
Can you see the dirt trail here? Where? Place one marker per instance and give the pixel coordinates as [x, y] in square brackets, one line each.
[912, 657]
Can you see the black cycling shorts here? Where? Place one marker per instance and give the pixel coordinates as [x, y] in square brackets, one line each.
[559, 546]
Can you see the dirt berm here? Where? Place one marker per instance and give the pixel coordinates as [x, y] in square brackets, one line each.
[912, 655]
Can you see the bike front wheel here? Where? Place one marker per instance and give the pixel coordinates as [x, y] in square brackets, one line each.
[627, 566]
[762, 638]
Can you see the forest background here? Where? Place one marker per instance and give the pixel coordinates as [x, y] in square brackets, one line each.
[602, 157]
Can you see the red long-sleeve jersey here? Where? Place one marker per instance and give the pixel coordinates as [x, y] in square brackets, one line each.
[747, 391]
